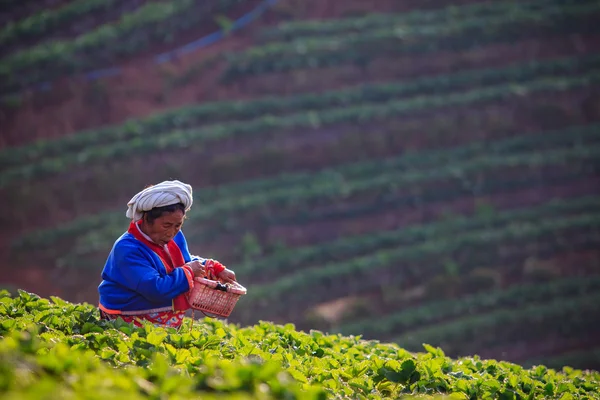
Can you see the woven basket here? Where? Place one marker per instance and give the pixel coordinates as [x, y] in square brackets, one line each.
[214, 297]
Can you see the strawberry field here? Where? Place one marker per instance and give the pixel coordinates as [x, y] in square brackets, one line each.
[53, 348]
[366, 45]
[408, 172]
[134, 32]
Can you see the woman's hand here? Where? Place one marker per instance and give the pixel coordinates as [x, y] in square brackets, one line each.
[197, 268]
[227, 276]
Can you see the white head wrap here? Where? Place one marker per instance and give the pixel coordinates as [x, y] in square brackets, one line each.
[163, 194]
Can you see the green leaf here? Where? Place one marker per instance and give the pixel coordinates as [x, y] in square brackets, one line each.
[297, 375]
[318, 352]
[457, 396]
[506, 395]
[359, 384]
[108, 354]
[58, 301]
[88, 327]
[408, 368]
[8, 324]
[436, 351]
[492, 384]
[182, 356]
[156, 337]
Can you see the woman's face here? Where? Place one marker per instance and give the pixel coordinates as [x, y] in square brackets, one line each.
[164, 228]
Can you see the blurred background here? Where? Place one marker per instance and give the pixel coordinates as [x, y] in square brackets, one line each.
[415, 171]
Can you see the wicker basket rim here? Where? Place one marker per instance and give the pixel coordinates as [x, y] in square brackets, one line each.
[236, 288]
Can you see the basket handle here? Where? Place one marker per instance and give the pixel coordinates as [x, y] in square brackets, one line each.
[237, 288]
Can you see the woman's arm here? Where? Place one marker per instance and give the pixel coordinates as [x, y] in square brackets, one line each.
[136, 271]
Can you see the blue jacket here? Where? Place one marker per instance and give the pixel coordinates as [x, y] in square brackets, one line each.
[135, 279]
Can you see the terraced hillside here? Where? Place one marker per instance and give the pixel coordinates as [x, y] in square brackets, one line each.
[416, 173]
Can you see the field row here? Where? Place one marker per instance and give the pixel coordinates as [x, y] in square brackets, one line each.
[415, 262]
[392, 208]
[46, 22]
[436, 313]
[151, 24]
[362, 48]
[506, 326]
[201, 138]
[295, 259]
[227, 111]
[350, 180]
[289, 31]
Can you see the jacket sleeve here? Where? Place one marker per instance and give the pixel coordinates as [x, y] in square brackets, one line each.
[139, 274]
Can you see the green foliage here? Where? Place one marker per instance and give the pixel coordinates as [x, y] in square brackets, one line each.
[227, 111]
[152, 23]
[195, 139]
[224, 23]
[37, 25]
[363, 47]
[60, 350]
[439, 16]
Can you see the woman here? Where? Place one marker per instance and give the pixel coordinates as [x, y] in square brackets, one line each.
[150, 270]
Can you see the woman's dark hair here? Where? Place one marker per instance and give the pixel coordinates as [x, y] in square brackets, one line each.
[158, 212]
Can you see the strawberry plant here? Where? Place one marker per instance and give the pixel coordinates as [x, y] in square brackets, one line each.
[53, 348]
